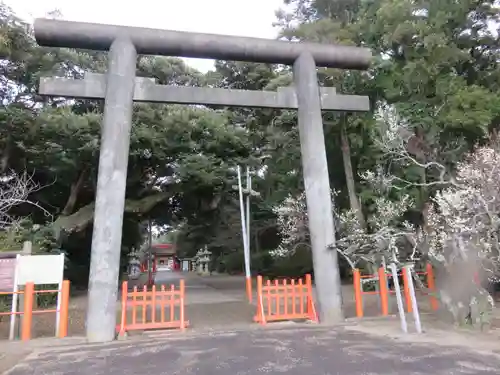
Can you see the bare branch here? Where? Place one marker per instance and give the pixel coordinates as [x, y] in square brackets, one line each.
[15, 190]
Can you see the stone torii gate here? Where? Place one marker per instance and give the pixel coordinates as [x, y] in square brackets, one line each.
[120, 88]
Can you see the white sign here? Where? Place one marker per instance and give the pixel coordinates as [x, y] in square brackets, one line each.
[37, 269]
[40, 269]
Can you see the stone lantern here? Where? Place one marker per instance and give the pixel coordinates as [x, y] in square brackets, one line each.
[202, 262]
[134, 265]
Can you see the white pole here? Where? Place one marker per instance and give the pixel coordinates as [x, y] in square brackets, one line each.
[243, 222]
[246, 251]
[414, 304]
[249, 188]
[14, 301]
[59, 294]
[399, 298]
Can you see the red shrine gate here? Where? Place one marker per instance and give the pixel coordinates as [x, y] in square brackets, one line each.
[165, 255]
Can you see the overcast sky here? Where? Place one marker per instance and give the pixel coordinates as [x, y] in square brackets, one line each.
[252, 18]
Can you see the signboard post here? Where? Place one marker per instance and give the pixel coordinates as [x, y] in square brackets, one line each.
[7, 282]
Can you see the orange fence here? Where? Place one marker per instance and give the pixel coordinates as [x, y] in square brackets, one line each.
[382, 277]
[29, 293]
[145, 304]
[431, 286]
[359, 292]
[285, 300]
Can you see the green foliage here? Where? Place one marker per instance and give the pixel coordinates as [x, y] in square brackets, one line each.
[262, 263]
[435, 65]
[232, 263]
[180, 156]
[13, 238]
[296, 265]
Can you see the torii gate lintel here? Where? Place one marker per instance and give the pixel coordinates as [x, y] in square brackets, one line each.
[93, 86]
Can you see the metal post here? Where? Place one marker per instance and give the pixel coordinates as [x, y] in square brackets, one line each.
[110, 196]
[248, 272]
[244, 234]
[317, 187]
[242, 215]
[150, 254]
[414, 304]
[249, 189]
[399, 298]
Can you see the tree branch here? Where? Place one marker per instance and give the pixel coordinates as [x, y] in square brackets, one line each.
[15, 191]
[79, 220]
[73, 195]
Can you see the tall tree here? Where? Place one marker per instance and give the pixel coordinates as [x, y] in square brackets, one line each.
[333, 22]
[180, 156]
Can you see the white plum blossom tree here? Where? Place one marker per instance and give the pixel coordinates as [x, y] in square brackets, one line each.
[293, 224]
[464, 220]
[461, 230]
[463, 235]
[354, 243]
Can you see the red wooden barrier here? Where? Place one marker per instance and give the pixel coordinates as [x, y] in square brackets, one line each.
[384, 292]
[28, 312]
[148, 308]
[285, 300]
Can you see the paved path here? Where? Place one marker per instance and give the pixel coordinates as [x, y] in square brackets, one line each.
[235, 286]
[198, 291]
[311, 351]
[219, 301]
[210, 306]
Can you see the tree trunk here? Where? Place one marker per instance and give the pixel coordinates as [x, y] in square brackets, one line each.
[349, 176]
[73, 195]
[351, 188]
[417, 146]
[5, 159]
